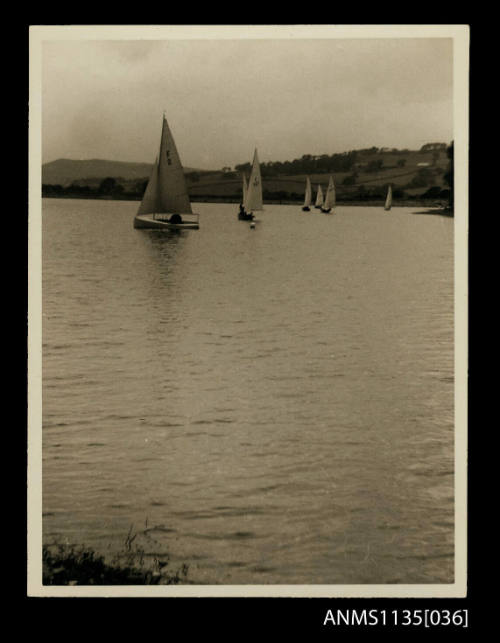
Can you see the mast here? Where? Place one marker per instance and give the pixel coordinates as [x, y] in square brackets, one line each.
[253, 199]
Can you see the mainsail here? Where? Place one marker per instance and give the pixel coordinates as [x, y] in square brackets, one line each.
[319, 198]
[388, 201]
[308, 196]
[330, 195]
[253, 199]
[166, 191]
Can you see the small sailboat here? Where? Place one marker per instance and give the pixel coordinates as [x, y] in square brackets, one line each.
[388, 200]
[319, 198]
[165, 204]
[253, 199]
[242, 215]
[329, 197]
[308, 196]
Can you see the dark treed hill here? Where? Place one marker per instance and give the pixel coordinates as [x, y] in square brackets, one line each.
[65, 171]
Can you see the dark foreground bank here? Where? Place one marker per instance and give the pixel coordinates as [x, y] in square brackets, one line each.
[67, 565]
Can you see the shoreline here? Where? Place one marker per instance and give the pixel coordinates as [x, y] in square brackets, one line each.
[407, 203]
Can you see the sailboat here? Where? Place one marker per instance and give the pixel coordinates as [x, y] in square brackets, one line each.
[329, 197]
[319, 198]
[308, 196]
[253, 200]
[242, 215]
[388, 200]
[165, 204]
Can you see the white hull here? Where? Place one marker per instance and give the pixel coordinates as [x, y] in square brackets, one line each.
[149, 222]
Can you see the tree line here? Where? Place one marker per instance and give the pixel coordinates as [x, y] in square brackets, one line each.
[109, 188]
[307, 164]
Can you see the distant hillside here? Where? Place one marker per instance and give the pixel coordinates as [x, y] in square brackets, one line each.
[371, 169]
[360, 175]
[65, 171]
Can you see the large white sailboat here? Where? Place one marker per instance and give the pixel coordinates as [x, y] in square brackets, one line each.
[329, 202]
[308, 196]
[388, 200]
[319, 198]
[165, 204]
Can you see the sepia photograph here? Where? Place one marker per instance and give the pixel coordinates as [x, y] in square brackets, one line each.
[247, 334]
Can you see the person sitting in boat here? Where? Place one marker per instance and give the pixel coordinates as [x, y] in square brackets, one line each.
[175, 218]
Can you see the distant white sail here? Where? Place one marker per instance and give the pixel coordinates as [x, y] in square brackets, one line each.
[388, 201]
[245, 188]
[319, 198]
[330, 195]
[166, 191]
[253, 199]
[308, 195]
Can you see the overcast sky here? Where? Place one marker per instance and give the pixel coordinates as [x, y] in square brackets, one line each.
[222, 98]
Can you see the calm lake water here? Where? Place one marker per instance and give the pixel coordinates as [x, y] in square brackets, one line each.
[269, 406]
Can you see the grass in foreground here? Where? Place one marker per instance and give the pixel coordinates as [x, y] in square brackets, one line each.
[68, 565]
